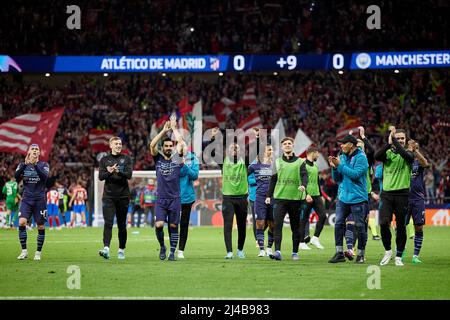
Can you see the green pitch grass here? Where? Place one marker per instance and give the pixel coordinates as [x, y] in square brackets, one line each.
[204, 273]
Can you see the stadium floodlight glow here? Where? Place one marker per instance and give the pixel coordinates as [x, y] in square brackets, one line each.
[105, 74]
[341, 72]
[396, 71]
[47, 74]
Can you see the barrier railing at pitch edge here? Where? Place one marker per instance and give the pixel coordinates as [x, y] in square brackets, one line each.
[98, 216]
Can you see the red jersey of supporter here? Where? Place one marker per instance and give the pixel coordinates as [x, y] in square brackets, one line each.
[80, 196]
[52, 197]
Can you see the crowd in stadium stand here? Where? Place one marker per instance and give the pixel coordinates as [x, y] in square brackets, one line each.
[317, 102]
[201, 26]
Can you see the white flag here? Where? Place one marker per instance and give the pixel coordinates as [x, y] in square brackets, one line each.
[197, 113]
[322, 163]
[277, 134]
[301, 142]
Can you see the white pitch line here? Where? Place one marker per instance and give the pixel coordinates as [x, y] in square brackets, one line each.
[83, 241]
[144, 298]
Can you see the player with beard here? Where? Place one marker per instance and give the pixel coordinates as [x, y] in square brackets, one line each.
[168, 167]
[397, 166]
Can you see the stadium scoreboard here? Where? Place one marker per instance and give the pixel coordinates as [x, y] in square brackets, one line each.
[226, 63]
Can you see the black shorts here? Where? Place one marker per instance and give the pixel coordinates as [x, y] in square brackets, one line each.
[393, 204]
[61, 208]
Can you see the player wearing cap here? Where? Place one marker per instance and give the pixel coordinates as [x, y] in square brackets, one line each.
[350, 170]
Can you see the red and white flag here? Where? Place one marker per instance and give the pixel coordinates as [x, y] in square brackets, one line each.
[184, 112]
[351, 124]
[99, 139]
[222, 110]
[157, 126]
[17, 134]
[210, 121]
[253, 120]
[249, 98]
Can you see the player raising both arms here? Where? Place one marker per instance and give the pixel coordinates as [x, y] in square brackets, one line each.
[234, 191]
[168, 203]
[397, 165]
[34, 174]
[262, 171]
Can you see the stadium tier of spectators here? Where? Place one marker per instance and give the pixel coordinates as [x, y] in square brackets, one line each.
[319, 103]
[137, 27]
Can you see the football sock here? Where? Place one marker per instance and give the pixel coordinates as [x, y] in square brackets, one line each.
[40, 239]
[418, 239]
[160, 235]
[23, 236]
